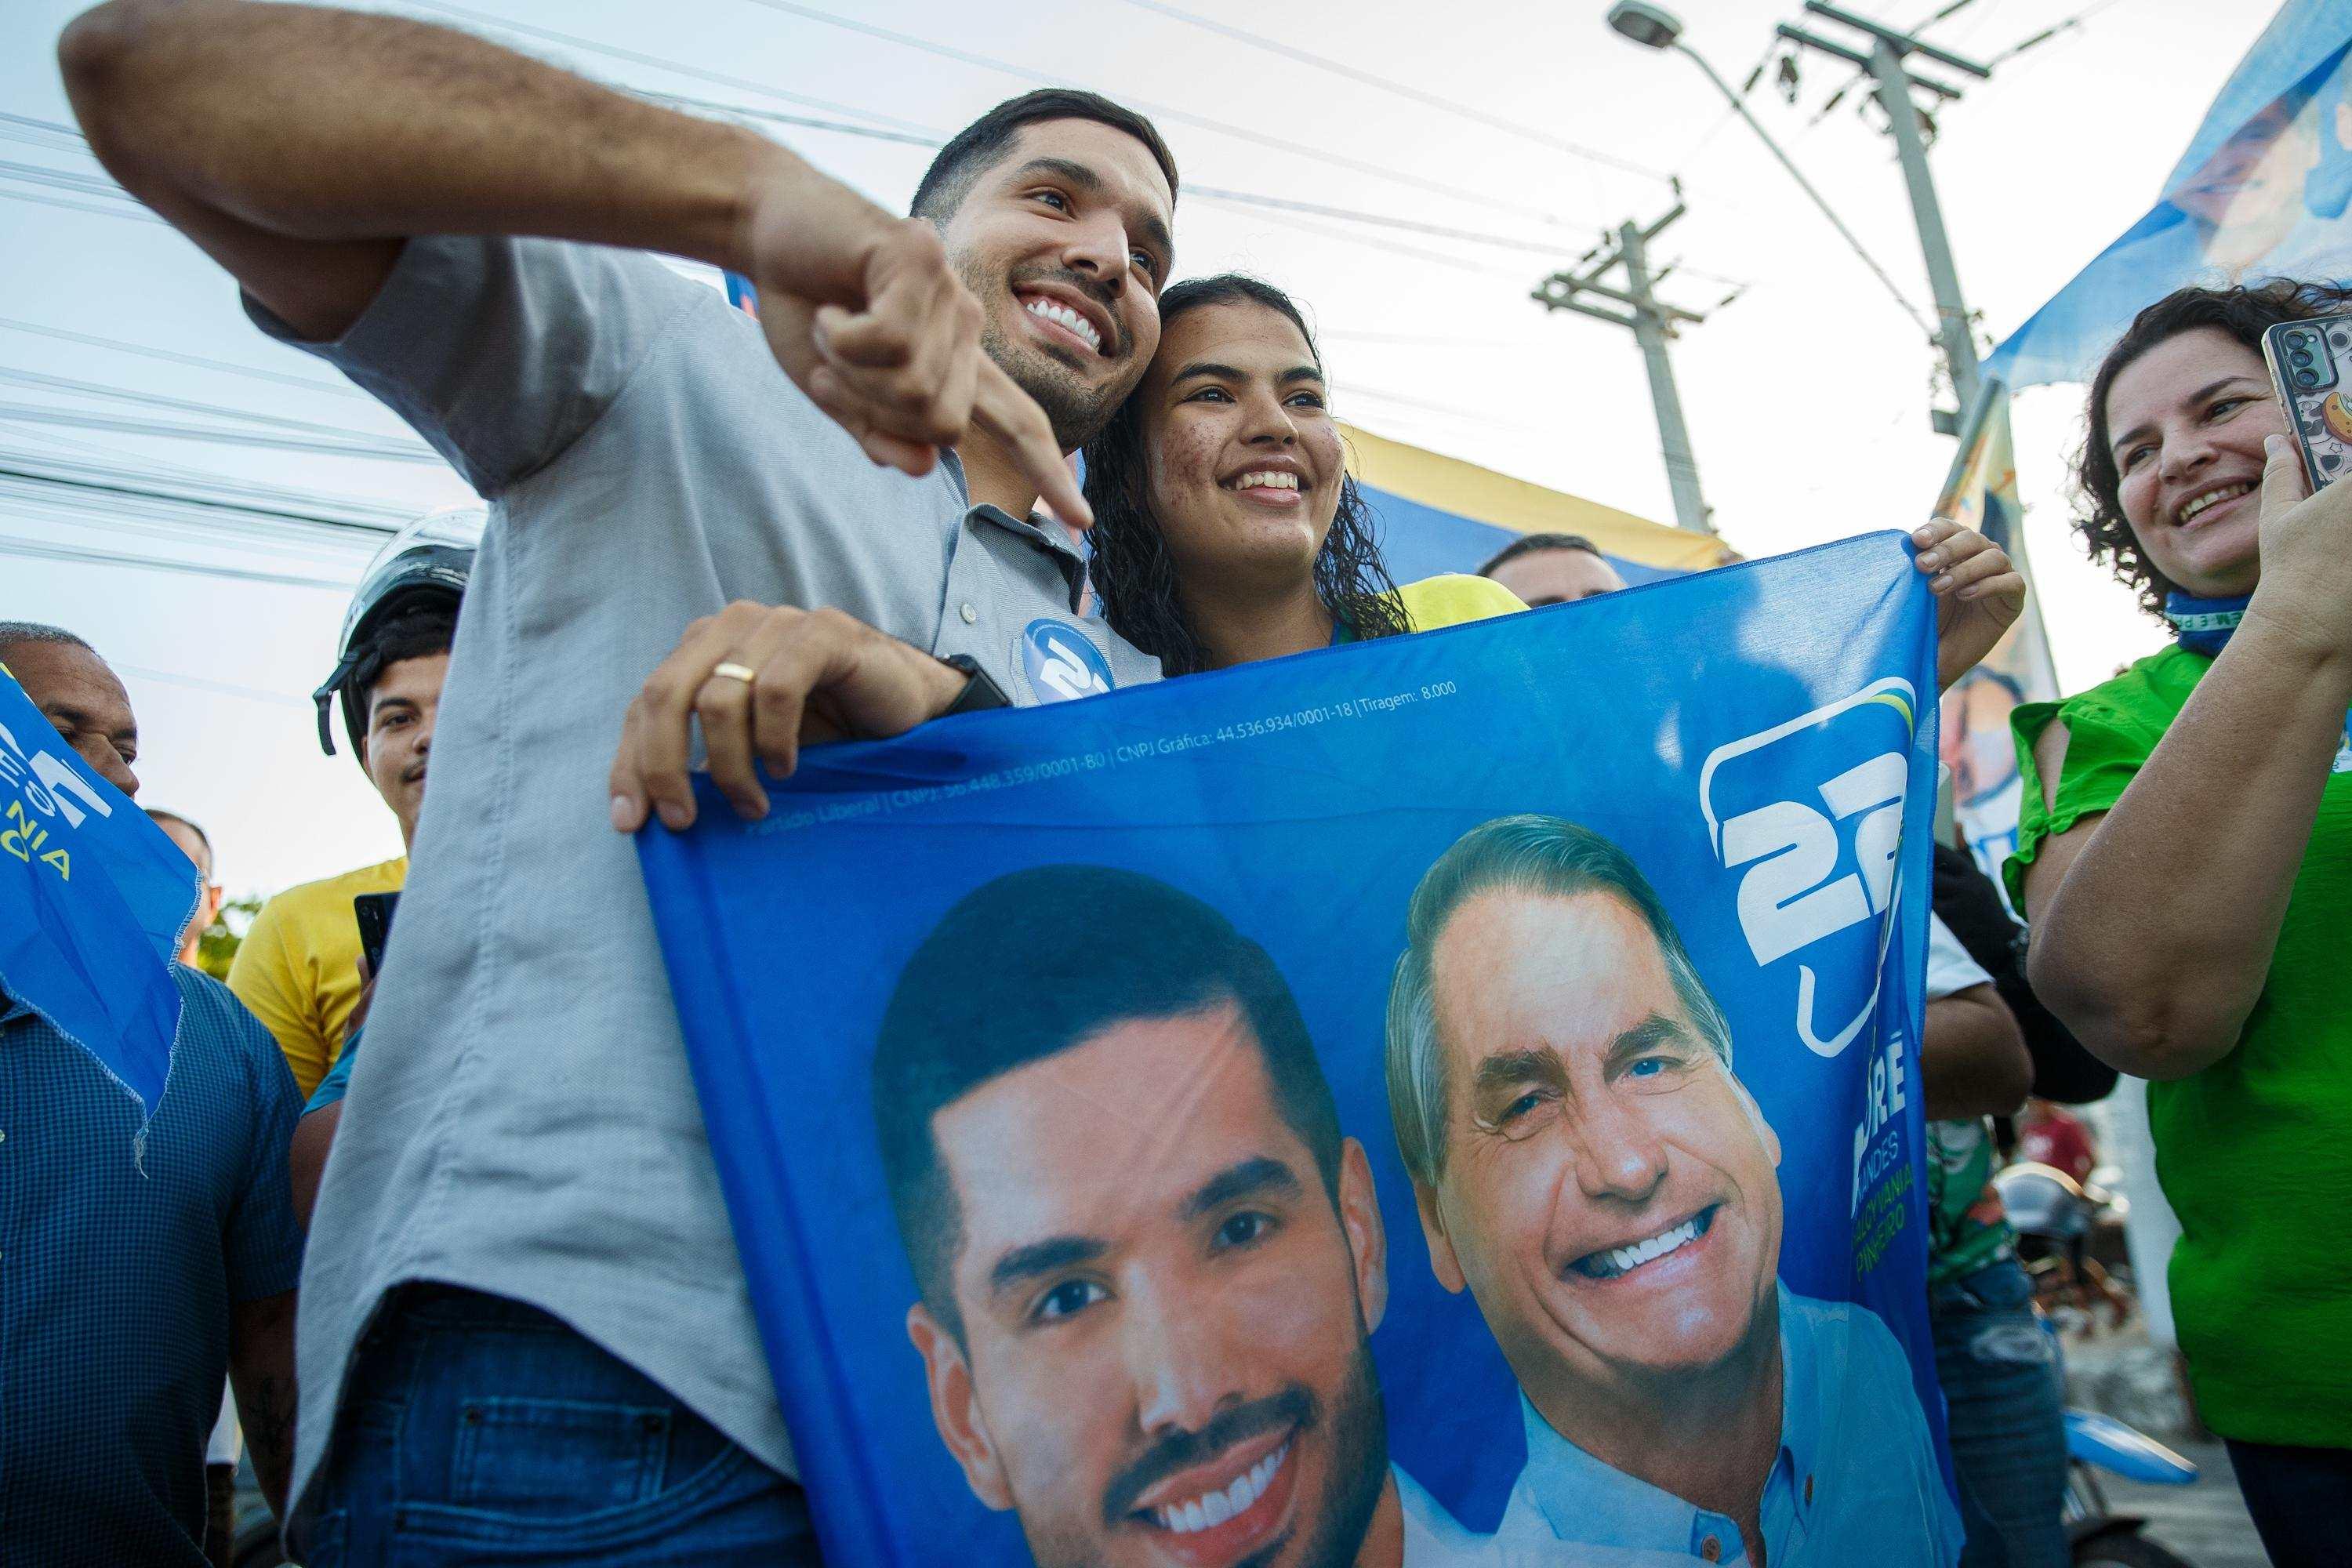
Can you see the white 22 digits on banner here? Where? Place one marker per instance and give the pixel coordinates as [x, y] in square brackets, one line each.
[1789, 901]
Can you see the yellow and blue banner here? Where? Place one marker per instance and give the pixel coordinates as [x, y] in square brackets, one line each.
[2263, 190]
[94, 900]
[1395, 1104]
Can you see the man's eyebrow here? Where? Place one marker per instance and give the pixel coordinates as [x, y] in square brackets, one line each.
[1076, 173]
[1652, 1032]
[2200, 395]
[63, 716]
[1506, 1068]
[1023, 1264]
[1300, 373]
[1242, 1179]
[1153, 228]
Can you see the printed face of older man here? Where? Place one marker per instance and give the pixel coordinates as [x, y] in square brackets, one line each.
[1164, 1357]
[1608, 1193]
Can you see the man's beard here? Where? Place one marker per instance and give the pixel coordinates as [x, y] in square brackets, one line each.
[1352, 1492]
[1076, 409]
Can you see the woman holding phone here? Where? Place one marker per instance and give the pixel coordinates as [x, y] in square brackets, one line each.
[2185, 863]
[1227, 528]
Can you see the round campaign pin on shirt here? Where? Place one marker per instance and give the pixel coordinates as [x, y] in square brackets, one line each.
[1063, 663]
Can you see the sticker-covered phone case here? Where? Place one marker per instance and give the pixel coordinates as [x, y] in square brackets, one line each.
[2310, 366]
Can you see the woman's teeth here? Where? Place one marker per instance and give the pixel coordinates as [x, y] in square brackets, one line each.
[2213, 499]
[1063, 316]
[1208, 1511]
[1267, 479]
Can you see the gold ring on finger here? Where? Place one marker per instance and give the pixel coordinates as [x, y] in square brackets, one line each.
[734, 671]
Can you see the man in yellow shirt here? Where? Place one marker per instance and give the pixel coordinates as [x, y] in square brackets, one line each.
[299, 968]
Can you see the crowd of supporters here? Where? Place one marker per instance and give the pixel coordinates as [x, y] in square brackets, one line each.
[690, 560]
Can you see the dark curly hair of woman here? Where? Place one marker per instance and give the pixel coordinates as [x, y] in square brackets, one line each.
[1132, 568]
[2244, 313]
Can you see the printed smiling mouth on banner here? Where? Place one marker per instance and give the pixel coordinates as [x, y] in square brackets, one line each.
[1313, 1112]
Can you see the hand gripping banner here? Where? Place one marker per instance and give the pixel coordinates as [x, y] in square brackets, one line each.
[93, 902]
[1445, 1099]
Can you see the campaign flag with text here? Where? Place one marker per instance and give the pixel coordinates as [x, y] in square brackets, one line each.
[1980, 492]
[2264, 189]
[93, 902]
[1451, 1099]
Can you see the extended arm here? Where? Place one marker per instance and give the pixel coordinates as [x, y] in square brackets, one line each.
[2154, 924]
[300, 146]
[306, 1159]
[261, 1370]
[1974, 1061]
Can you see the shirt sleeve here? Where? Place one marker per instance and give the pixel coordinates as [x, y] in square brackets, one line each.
[263, 978]
[2105, 749]
[262, 1244]
[338, 1081]
[1454, 598]
[501, 352]
[1950, 967]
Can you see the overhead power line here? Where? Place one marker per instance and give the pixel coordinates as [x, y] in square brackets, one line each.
[658, 62]
[10, 374]
[222, 435]
[1451, 191]
[91, 339]
[1404, 90]
[43, 550]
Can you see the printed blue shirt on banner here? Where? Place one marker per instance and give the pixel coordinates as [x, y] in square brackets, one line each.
[93, 901]
[1846, 1479]
[1192, 1125]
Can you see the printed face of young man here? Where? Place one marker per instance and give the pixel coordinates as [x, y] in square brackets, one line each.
[1065, 241]
[1164, 1360]
[1608, 1195]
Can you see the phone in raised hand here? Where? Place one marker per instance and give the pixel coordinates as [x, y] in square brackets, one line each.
[2311, 370]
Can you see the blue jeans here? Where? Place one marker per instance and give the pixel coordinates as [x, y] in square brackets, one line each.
[2299, 1497]
[478, 1430]
[2006, 1419]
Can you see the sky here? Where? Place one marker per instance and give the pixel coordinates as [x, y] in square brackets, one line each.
[1807, 390]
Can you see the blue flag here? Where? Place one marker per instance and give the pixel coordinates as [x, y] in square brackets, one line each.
[94, 901]
[1397, 1103]
[2262, 190]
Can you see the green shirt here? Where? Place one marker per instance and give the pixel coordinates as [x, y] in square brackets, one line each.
[2255, 1151]
[1966, 1231]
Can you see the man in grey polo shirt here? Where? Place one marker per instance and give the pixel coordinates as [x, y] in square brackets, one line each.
[524, 1326]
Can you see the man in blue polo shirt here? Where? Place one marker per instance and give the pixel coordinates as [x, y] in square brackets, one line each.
[135, 1273]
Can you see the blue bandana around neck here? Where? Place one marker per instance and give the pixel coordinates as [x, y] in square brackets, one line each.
[2205, 625]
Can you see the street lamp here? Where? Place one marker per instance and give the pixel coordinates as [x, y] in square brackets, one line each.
[1656, 28]
[1652, 26]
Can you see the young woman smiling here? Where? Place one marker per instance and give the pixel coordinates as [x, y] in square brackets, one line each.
[2185, 861]
[1227, 528]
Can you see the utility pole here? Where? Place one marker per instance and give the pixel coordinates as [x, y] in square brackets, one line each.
[1883, 60]
[1653, 324]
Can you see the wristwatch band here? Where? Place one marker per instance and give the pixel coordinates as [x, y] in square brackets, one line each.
[980, 693]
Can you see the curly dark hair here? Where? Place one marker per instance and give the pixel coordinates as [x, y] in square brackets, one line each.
[1133, 571]
[2246, 312]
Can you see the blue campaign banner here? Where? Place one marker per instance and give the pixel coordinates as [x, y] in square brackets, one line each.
[94, 900]
[1448, 1099]
[2263, 190]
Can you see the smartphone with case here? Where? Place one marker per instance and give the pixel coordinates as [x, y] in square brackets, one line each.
[2311, 370]
[373, 911]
